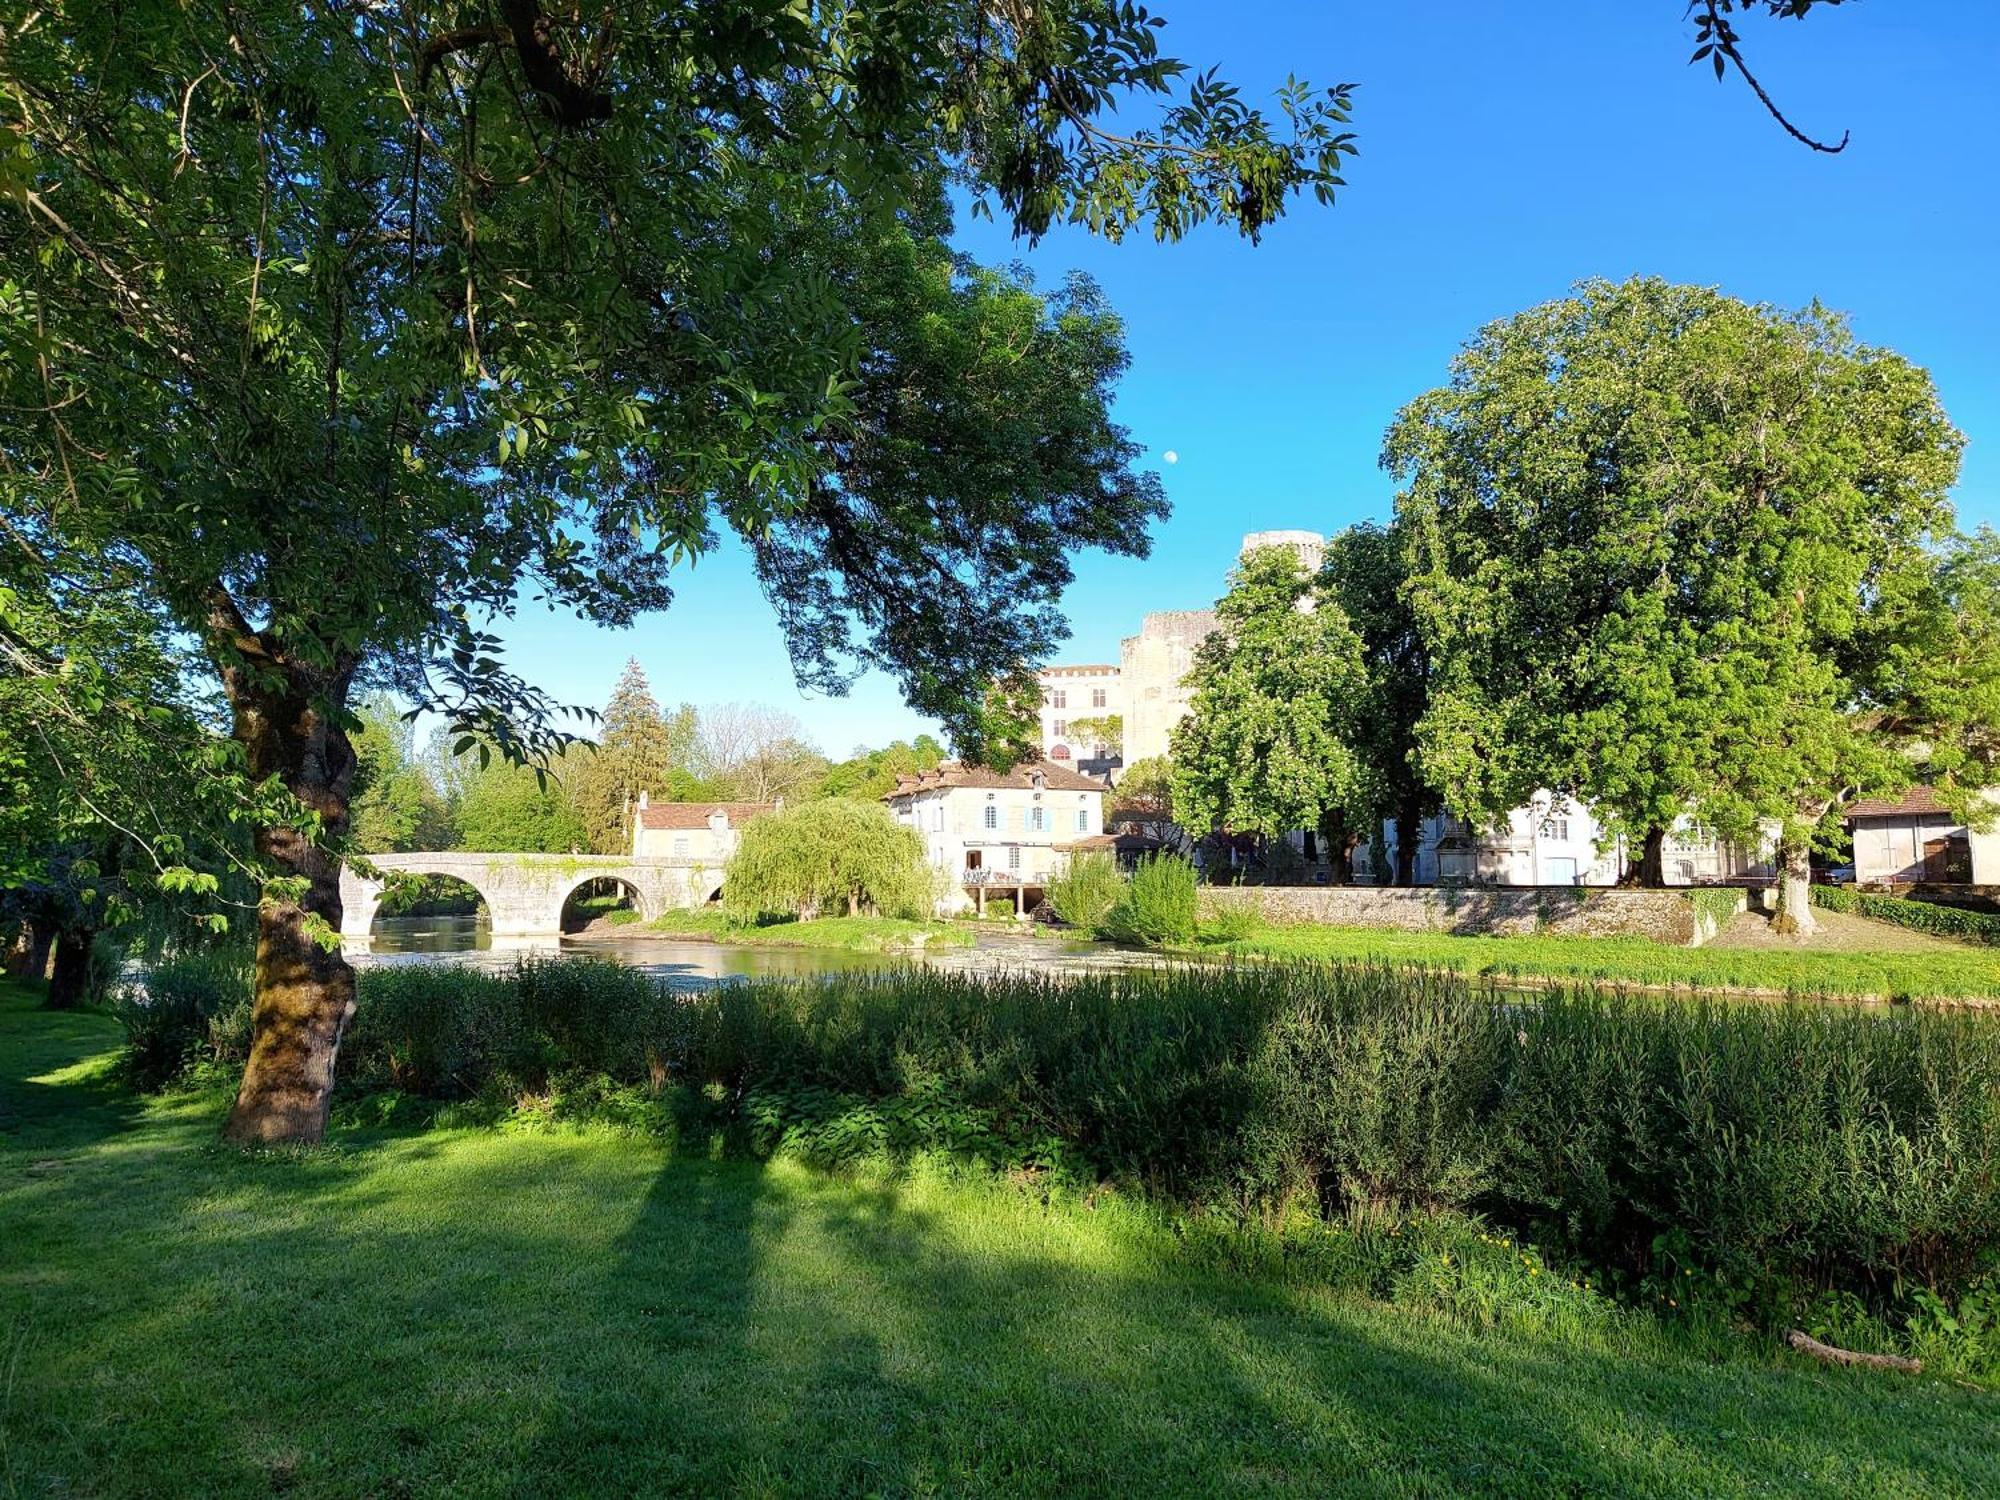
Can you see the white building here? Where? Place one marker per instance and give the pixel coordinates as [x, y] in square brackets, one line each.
[999, 833]
[1915, 839]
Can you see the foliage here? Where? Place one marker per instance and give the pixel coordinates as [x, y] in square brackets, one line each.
[1366, 572]
[190, 1009]
[395, 806]
[1659, 539]
[118, 804]
[755, 753]
[640, 749]
[1145, 791]
[870, 775]
[1157, 904]
[1920, 916]
[509, 808]
[1717, 906]
[1085, 890]
[1268, 744]
[1099, 731]
[820, 856]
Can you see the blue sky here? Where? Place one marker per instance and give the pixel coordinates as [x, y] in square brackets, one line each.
[1506, 152]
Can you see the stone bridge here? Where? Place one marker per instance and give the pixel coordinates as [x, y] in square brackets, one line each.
[525, 893]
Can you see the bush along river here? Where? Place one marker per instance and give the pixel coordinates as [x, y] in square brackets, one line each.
[695, 964]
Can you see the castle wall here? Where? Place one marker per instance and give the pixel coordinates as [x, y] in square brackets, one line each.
[1154, 666]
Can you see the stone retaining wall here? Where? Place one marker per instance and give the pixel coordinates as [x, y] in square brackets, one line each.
[1565, 911]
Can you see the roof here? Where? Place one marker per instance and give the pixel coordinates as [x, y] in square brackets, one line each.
[697, 814]
[1921, 798]
[954, 774]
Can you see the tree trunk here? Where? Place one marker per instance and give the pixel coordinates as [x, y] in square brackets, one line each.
[41, 937]
[1409, 832]
[1339, 844]
[69, 984]
[305, 991]
[1651, 871]
[1795, 914]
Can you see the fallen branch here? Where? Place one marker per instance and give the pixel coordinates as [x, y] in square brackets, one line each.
[1805, 1343]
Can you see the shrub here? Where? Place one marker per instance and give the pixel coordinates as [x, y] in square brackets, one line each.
[186, 1010]
[999, 908]
[1157, 906]
[1764, 1149]
[1922, 916]
[1084, 893]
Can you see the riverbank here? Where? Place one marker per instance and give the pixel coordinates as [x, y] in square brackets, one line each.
[846, 934]
[1936, 971]
[187, 1320]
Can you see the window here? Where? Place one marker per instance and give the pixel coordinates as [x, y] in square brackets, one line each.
[681, 844]
[1059, 699]
[1061, 728]
[937, 818]
[1060, 752]
[1083, 820]
[1097, 697]
[1014, 857]
[1556, 828]
[992, 816]
[1038, 819]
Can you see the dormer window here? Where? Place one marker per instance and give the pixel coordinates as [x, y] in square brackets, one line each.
[1037, 780]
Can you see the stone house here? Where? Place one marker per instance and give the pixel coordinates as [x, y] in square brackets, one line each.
[998, 833]
[702, 831]
[1914, 839]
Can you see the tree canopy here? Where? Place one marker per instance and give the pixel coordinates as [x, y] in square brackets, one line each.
[1659, 539]
[1268, 744]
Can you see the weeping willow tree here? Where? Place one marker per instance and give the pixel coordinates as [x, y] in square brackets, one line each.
[829, 857]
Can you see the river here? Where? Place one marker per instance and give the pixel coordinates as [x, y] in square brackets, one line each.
[698, 965]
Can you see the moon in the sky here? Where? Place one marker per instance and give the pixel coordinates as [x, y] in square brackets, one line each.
[1171, 457]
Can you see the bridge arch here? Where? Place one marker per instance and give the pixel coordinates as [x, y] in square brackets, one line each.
[645, 908]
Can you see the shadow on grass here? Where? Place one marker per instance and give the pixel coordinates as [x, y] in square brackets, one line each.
[59, 1084]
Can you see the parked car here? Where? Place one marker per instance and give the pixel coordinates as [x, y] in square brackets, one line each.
[1836, 875]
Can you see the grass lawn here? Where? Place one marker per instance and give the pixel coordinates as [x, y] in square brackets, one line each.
[494, 1313]
[855, 934]
[1954, 973]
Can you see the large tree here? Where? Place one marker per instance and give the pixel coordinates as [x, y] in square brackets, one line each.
[1268, 745]
[640, 749]
[1658, 537]
[1366, 571]
[352, 325]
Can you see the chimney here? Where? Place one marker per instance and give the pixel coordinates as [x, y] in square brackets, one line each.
[642, 802]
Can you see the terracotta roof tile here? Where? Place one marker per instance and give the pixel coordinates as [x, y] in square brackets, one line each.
[1918, 799]
[696, 814]
[954, 774]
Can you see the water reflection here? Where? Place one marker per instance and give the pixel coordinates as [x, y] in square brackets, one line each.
[693, 965]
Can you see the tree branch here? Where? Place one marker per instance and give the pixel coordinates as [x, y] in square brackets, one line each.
[569, 103]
